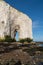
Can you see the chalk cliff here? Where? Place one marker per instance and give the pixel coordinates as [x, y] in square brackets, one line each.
[12, 20]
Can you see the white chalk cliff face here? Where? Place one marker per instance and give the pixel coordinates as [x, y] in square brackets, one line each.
[25, 26]
[4, 9]
[12, 20]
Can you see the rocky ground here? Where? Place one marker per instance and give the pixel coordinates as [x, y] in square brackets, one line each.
[20, 54]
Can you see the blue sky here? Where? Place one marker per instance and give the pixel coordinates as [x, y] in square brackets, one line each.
[34, 9]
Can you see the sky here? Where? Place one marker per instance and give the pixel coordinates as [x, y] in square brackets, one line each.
[34, 9]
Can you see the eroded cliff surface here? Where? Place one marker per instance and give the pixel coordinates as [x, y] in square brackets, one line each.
[11, 20]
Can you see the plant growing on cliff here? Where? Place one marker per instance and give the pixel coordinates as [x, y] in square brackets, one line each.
[25, 40]
[7, 39]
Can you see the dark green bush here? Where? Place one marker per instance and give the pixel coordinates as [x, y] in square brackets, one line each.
[25, 40]
[7, 39]
[2, 40]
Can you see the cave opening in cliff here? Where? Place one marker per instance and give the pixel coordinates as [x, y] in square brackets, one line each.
[17, 36]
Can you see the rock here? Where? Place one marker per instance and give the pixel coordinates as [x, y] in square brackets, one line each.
[12, 21]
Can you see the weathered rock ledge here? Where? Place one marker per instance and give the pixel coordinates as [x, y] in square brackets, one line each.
[25, 53]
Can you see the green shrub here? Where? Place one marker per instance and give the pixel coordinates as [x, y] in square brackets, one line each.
[2, 40]
[7, 39]
[25, 40]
